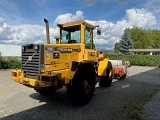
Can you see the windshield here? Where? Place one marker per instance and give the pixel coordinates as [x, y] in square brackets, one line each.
[70, 34]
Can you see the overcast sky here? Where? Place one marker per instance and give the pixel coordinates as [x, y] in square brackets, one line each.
[21, 21]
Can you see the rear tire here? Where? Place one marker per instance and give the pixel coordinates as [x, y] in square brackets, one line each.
[122, 77]
[83, 86]
[106, 81]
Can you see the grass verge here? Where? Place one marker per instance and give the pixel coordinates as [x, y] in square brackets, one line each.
[137, 110]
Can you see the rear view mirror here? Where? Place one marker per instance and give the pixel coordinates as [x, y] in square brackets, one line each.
[98, 31]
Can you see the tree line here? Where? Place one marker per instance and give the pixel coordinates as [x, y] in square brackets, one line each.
[138, 38]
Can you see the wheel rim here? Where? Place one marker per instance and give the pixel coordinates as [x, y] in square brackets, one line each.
[110, 74]
[87, 87]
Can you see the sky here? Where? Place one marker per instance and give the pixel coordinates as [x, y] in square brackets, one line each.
[21, 21]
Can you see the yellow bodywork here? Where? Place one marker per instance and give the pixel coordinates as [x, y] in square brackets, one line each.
[61, 66]
[102, 67]
[28, 81]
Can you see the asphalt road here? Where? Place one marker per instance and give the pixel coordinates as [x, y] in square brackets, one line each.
[18, 102]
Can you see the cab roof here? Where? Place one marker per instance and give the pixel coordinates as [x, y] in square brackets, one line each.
[76, 23]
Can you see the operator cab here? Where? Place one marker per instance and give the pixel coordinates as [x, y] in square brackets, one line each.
[79, 32]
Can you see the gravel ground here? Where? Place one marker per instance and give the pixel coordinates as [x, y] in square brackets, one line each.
[152, 108]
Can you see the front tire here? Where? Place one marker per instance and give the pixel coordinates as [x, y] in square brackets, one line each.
[83, 85]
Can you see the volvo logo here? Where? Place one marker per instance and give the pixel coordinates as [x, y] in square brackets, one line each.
[56, 55]
[29, 58]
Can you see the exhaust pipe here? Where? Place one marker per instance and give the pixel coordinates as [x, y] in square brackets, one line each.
[47, 31]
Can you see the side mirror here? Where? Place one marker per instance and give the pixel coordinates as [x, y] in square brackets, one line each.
[98, 31]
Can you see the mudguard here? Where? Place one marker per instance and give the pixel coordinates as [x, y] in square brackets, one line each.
[102, 68]
[80, 67]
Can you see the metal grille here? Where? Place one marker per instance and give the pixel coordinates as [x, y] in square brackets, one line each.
[31, 61]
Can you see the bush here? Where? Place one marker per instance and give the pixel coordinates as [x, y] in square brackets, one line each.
[139, 60]
[9, 62]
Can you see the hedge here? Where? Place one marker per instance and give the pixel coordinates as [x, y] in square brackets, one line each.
[9, 63]
[139, 60]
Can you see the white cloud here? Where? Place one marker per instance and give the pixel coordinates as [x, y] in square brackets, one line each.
[24, 34]
[153, 5]
[140, 17]
[5, 30]
[31, 34]
[68, 17]
[111, 32]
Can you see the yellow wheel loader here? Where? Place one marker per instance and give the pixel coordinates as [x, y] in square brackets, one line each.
[73, 62]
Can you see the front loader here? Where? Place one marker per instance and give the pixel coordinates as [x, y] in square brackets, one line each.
[73, 62]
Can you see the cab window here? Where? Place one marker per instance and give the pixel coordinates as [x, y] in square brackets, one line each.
[88, 38]
[70, 35]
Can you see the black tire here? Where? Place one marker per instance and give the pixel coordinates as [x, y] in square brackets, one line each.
[122, 77]
[118, 77]
[83, 85]
[106, 81]
[46, 91]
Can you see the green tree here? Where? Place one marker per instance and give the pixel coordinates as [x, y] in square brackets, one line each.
[125, 42]
[141, 37]
[116, 47]
[155, 36]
